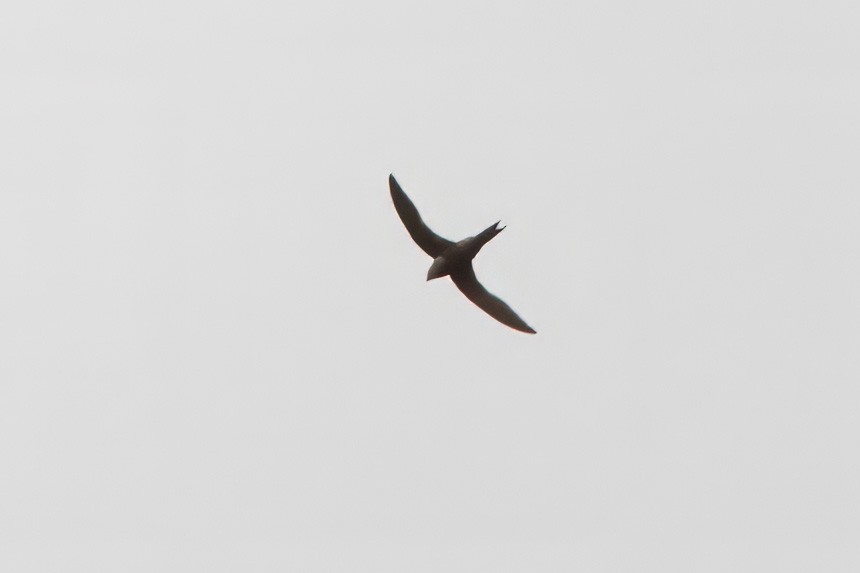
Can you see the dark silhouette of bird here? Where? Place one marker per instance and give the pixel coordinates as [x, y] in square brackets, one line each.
[455, 259]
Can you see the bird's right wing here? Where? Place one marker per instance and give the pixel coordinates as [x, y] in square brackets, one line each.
[467, 282]
[430, 242]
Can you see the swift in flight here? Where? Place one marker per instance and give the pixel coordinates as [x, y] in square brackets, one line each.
[455, 259]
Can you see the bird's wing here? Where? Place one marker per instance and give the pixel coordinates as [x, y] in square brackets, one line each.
[430, 242]
[467, 282]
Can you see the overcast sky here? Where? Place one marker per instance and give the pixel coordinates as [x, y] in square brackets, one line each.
[218, 351]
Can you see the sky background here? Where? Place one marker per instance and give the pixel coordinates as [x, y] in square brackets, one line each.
[218, 351]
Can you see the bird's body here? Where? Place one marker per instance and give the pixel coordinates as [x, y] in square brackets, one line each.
[455, 259]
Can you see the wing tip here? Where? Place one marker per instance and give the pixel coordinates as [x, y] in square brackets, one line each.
[394, 186]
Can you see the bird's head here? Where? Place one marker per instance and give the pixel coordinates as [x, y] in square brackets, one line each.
[437, 269]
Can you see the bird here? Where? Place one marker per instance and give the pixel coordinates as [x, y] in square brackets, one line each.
[455, 259]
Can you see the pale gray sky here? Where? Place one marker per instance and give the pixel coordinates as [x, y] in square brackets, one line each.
[218, 351]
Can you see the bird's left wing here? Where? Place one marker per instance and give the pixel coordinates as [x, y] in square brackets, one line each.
[430, 242]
